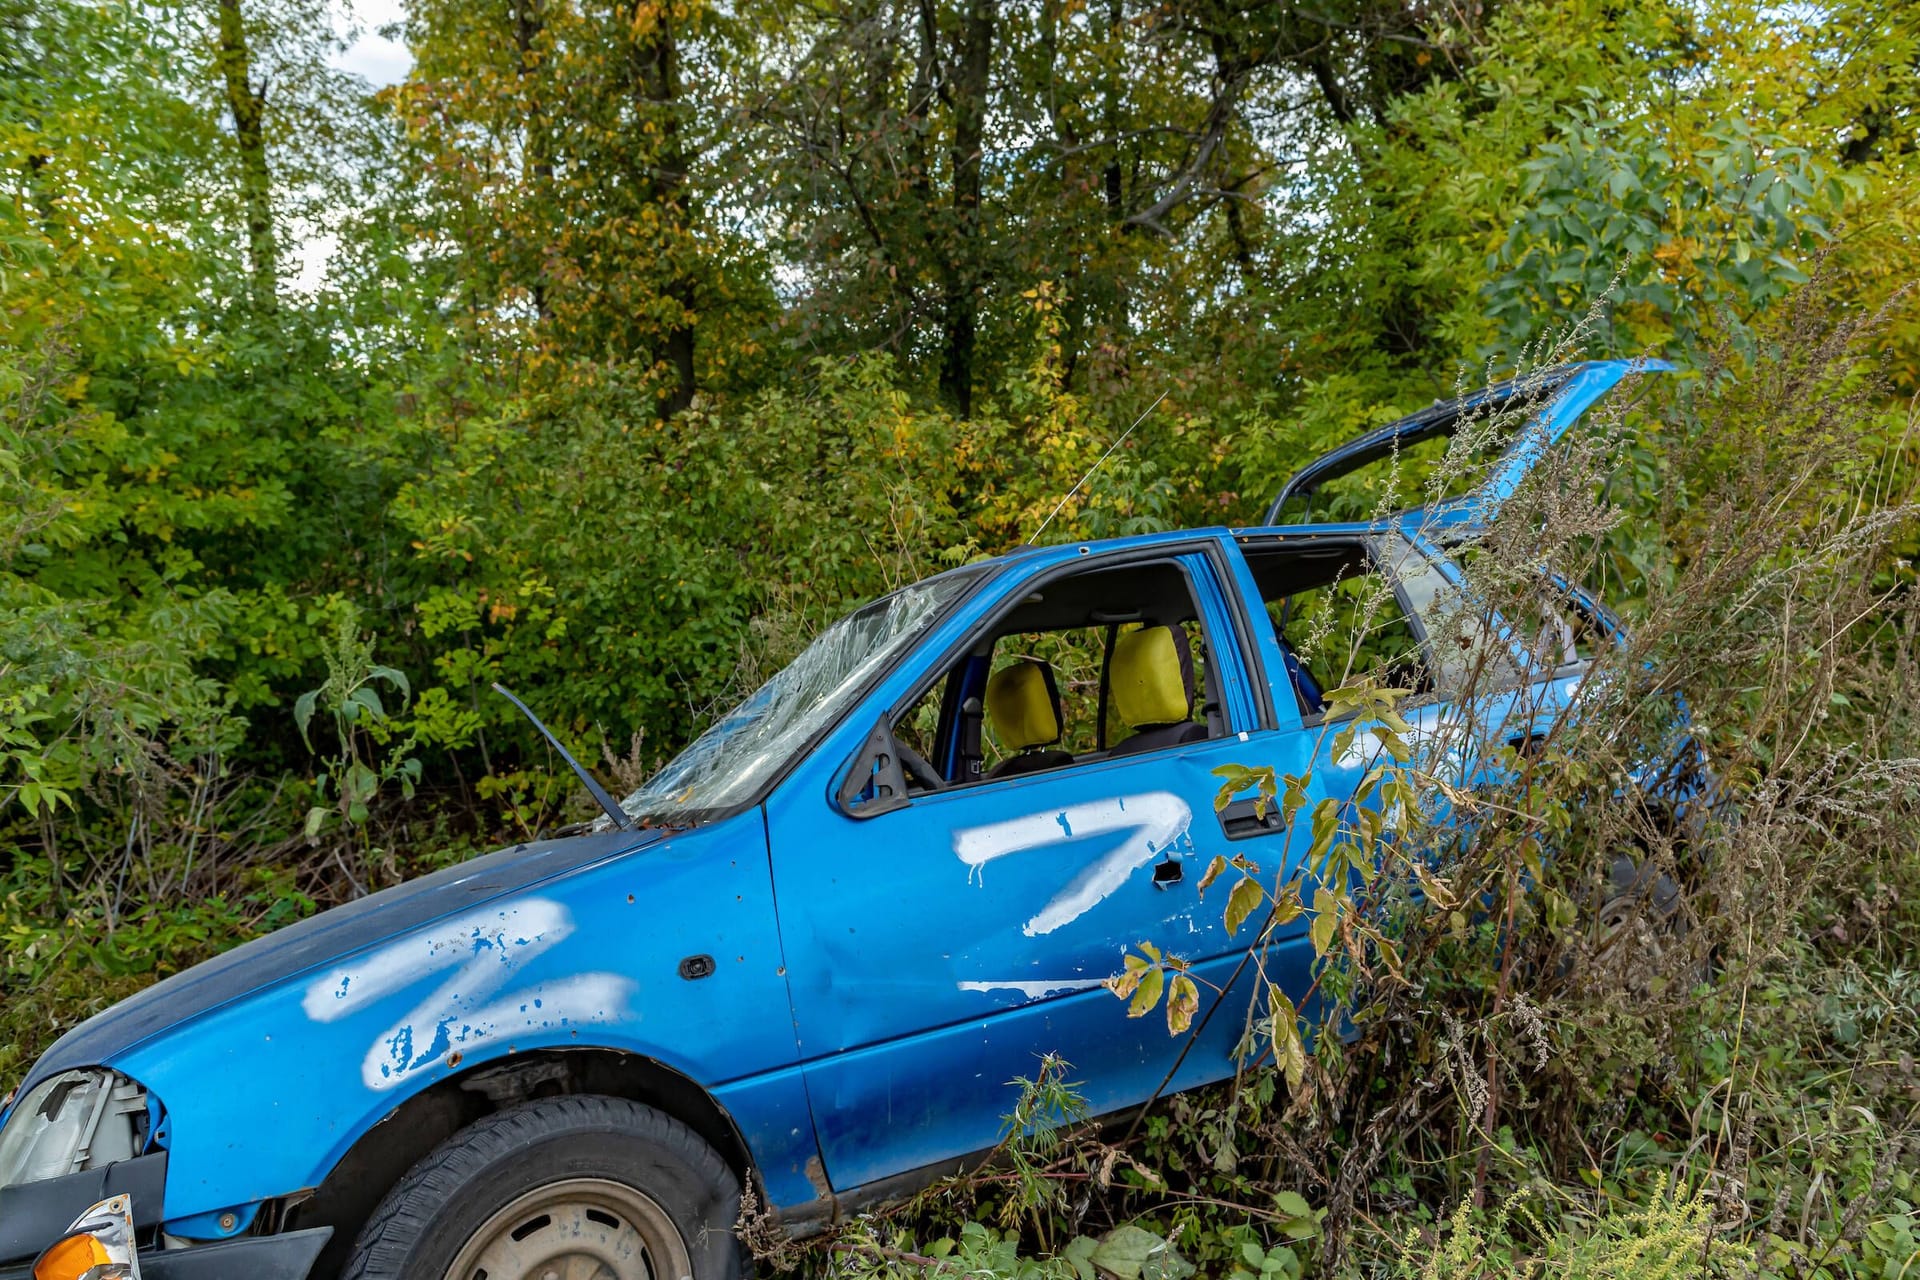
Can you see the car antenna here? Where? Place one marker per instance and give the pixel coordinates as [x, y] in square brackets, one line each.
[1095, 467]
[614, 812]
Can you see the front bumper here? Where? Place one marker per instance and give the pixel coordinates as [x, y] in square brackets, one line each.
[35, 1214]
[282, 1257]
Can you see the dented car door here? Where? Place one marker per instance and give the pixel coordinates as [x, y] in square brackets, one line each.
[938, 950]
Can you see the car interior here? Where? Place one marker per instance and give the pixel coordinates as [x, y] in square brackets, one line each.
[1096, 665]
[1337, 618]
[1113, 662]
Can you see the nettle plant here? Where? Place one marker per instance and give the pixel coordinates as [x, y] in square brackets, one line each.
[370, 751]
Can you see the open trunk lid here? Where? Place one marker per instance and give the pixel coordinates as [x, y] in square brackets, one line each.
[1551, 402]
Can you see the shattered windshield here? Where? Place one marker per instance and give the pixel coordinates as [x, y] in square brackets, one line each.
[729, 763]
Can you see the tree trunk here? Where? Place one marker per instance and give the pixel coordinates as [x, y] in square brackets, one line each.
[969, 128]
[1111, 185]
[528, 23]
[656, 78]
[248, 104]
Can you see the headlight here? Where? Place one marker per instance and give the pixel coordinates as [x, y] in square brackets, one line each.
[85, 1119]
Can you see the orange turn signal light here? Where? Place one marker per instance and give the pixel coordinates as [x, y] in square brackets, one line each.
[74, 1258]
[98, 1246]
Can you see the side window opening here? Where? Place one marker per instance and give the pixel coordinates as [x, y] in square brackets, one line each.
[1103, 663]
[1550, 627]
[1504, 628]
[1338, 619]
[919, 728]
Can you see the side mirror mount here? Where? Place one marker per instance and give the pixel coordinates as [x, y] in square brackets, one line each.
[876, 781]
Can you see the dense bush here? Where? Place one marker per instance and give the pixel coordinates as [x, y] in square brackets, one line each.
[653, 338]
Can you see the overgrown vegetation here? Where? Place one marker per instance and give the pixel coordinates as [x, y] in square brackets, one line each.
[1561, 1023]
[654, 336]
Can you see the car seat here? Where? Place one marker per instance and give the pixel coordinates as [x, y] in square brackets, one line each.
[1023, 706]
[1150, 682]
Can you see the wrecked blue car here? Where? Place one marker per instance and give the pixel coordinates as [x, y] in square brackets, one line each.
[803, 962]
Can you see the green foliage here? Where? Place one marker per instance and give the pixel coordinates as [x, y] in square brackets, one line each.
[1669, 1235]
[368, 755]
[62, 963]
[656, 335]
[1609, 211]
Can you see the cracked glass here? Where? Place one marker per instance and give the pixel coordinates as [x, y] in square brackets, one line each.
[729, 764]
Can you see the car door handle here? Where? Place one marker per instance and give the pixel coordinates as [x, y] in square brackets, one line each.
[1242, 819]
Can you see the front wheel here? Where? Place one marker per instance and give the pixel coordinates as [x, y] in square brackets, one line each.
[571, 1188]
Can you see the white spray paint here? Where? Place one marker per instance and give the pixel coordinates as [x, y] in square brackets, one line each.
[1034, 990]
[484, 950]
[1152, 822]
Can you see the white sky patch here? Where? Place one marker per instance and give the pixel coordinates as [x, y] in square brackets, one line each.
[313, 249]
[379, 61]
[369, 54]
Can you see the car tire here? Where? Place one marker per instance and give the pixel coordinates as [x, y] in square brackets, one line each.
[571, 1187]
[1643, 927]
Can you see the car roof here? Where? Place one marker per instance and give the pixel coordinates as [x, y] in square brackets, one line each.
[1053, 552]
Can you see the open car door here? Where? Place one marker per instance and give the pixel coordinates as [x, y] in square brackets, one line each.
[1547, 404]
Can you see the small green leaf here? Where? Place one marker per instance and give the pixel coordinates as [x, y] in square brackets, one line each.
[303, 714]
[1151, 985]
[364, 697]
[1293, 1204]
[359, 783]
[1296, 796]
[1325, 919]
[395, 678]
[1133, 1253]
[1289, 1051]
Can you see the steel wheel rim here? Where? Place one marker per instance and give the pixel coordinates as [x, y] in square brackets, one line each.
[1622, 918]
[577, 1229]
[1641, 943]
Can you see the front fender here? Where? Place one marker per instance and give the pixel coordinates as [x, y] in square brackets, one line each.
[265, 1094]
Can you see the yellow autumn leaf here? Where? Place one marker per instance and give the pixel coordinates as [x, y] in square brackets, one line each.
[1246, 896]
[1183, 1001]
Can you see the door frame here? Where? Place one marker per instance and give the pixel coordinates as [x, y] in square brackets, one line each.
[1242, 677]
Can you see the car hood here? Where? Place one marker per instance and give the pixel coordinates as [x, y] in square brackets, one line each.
[323, 939]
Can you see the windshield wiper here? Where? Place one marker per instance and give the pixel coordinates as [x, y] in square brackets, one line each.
[621, 821]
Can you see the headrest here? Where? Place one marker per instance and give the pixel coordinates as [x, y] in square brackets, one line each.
[1151, 677]
[1023, 704]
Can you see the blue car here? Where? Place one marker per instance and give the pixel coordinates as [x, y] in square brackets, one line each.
[804, 962]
